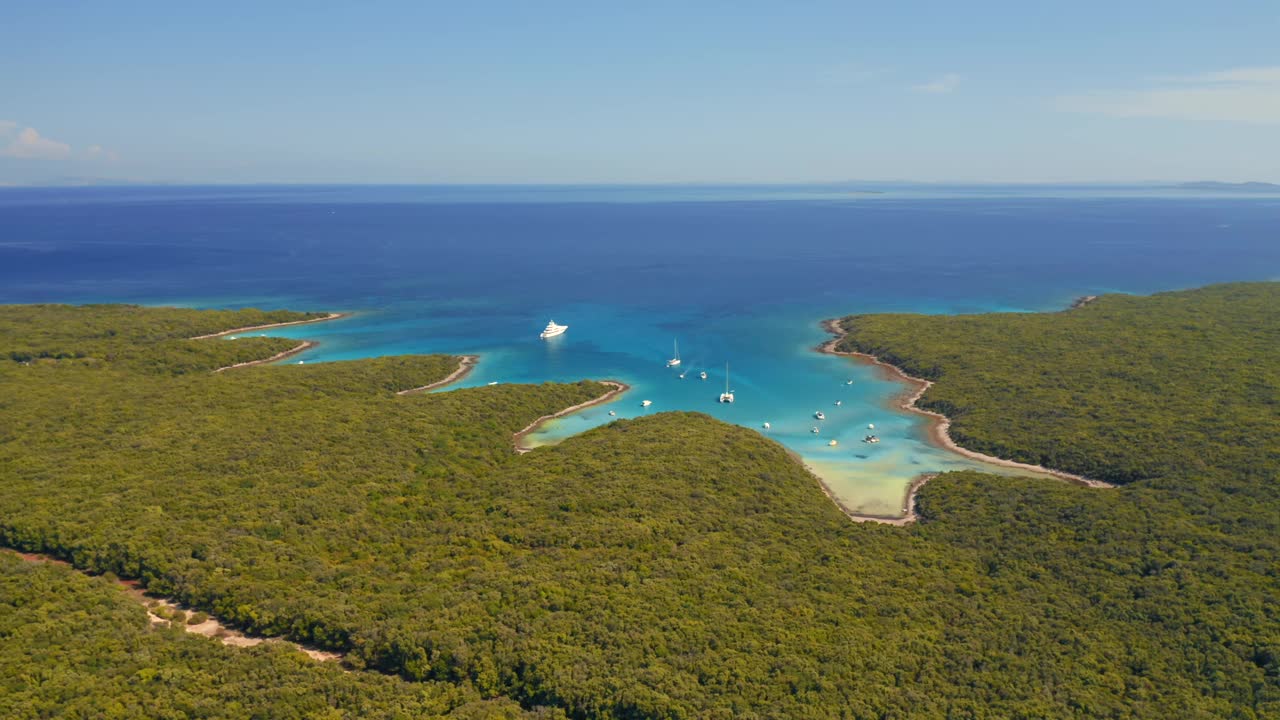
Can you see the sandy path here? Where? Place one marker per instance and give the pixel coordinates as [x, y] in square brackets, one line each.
[618, 389]
[327, 318]
[465, 365]
[939, 434]
[211, 627]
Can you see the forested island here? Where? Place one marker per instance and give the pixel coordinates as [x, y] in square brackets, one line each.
[671, 566]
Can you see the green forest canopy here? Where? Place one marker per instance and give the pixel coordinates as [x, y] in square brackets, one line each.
[671, 566]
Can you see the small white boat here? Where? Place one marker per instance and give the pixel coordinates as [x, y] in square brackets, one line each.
[838, 403]
[233, 337]
[833, 443]
[612, 413]
[767, 426]
[848, 382]
[495, 382]
[683, 374]
[703, 375]
[646, 403]
[727, 395]
[871, 426]
[302, 362]
[820, 415]
[872, 439]
[553, 330]
[814, 430]
[675, 360]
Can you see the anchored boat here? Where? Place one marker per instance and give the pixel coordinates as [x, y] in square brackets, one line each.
[553, 330]
[727, 395]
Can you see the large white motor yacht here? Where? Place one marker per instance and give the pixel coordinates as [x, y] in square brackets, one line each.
[553, 330]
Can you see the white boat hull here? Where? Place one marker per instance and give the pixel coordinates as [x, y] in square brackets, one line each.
[553, 330]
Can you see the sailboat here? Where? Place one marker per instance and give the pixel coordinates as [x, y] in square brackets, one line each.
[727, 395]
[673, 362]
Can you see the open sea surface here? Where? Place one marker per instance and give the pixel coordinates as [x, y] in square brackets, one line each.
[739, 275]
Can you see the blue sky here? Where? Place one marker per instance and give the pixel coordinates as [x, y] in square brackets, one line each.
[520, 92]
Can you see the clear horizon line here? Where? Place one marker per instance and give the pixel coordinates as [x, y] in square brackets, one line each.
[111, 182]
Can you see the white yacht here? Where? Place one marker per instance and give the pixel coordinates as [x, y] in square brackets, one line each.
[814, 431]
[820, 415]
[646, 403]
[553, 330]
[838, 403]
[675, 360]
[767, 426]
[833, 443]
[703, 375]
[872, 439]
[727, 395]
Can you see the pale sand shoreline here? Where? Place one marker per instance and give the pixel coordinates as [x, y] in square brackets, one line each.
[939, 434]
[304, 345]
[327, 318]
[618, 389]
[210, 628]
[465, 365]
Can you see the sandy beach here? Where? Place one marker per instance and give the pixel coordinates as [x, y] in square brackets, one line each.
[304, 345]
[251, 328]
[465, 365]
[618, 389]
[939, 427]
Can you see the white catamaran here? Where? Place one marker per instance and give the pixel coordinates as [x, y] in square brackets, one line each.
[675, 361]
[553, 330]
[727, 395]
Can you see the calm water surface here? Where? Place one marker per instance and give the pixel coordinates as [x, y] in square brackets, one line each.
[739, 275]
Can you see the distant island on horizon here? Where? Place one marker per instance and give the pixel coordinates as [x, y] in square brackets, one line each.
[1251, 186]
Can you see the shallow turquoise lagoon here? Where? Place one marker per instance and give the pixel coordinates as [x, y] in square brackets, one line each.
[739, 275]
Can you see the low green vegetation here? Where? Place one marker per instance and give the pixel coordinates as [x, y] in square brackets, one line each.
[78, 647]
[669, 567]
[137, 338]
[1124, 388]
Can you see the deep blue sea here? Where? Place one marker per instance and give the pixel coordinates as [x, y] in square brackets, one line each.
[739, 275]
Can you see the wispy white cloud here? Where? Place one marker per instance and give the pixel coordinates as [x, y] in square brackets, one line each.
[1246, 95]
[29, 144]
[945, 84]
[97, 152]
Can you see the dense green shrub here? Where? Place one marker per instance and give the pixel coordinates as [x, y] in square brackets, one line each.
[77, 647]
[674, 566]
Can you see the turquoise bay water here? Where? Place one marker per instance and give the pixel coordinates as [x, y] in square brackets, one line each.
[737, 275]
